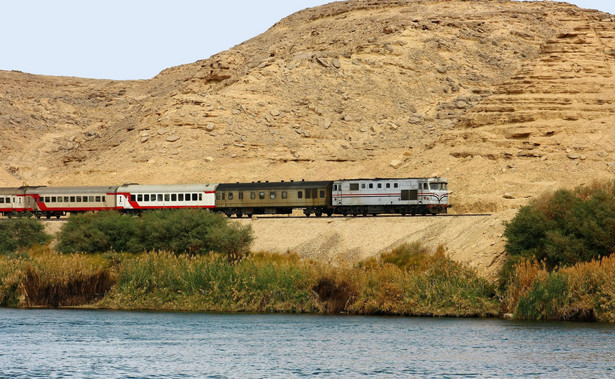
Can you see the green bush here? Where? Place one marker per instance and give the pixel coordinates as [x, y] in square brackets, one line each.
[98, 232]
[21, 233]
[181, 231]
[565, 227]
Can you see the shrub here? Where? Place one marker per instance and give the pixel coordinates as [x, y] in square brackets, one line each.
[181, 231]
[98, 232]
[21, 233]
[565, 227]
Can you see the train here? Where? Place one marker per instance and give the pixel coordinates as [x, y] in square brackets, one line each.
[403, 196]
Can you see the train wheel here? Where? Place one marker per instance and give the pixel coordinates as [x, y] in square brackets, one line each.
[329, 213]
[318, 213]
[307, 212]
[38, 216]
[239, 215]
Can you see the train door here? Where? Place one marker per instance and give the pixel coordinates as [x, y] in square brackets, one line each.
[336, 194]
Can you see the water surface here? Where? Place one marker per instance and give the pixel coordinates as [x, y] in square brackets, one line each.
[75, 343]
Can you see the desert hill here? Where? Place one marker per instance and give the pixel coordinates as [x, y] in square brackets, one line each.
[504, 99]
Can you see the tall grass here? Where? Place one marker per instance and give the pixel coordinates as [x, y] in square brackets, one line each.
[425, 285]
[48, 279]
[431, 285]
[584, 292]
[210, 283]
[269, 283]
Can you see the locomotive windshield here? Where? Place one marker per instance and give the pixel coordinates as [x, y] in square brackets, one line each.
[438, 186]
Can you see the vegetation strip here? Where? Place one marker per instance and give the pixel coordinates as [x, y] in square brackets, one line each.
[558, 267]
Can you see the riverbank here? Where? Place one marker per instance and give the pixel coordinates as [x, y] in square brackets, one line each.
[428, 285]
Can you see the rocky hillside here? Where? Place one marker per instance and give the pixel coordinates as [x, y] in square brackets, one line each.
[504, 99]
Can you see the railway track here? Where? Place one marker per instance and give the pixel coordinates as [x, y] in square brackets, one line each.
[264, 217]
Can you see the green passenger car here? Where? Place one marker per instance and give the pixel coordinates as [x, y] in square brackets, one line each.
[274, 198]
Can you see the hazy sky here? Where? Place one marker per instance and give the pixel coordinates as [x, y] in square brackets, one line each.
[136, 39]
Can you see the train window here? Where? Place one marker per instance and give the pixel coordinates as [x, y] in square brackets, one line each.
[230, 196]
[91, 199]
[146, 197]
[187, 197]
[139, 197]
[104, 199]
[53, 199]
[322, 194]
[47, 199]
[152, 197]
[78, 199]
[362, 185]
[167, 197]
[335, 187]
[379, 185]
[194, 197]
[395, 185]
[180, 197]
[261, 195]
[200, 197]
[133, 198]
[300, 194]
[218, 196]
[272, 195]
[59, 199]
[284, 194]
[314, 193]
[354, 186]
[388, 185]
[97, 199]
[308, 194]
[72, 199]
[173, 197]
[240, 195]
[159, 197]
[1, 200]
[252, 195]
[85, 199]
[223, 196]
[371, 185]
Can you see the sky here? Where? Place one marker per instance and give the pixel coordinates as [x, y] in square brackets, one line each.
[136, 39]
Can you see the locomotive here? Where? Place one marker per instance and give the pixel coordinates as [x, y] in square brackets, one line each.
[340, 197]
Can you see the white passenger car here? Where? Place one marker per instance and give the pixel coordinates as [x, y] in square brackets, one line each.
[136, 197]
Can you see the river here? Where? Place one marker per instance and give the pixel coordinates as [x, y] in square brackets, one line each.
[79, 343]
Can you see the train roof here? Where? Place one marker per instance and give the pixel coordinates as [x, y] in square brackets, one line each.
[272, 185]
[382, 179]
[78, 190]
[10, 190]
[167, 188]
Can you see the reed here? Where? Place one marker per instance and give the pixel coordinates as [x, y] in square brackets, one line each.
[48, 279]
[431, 284]
[583, 292]
[162, 280]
